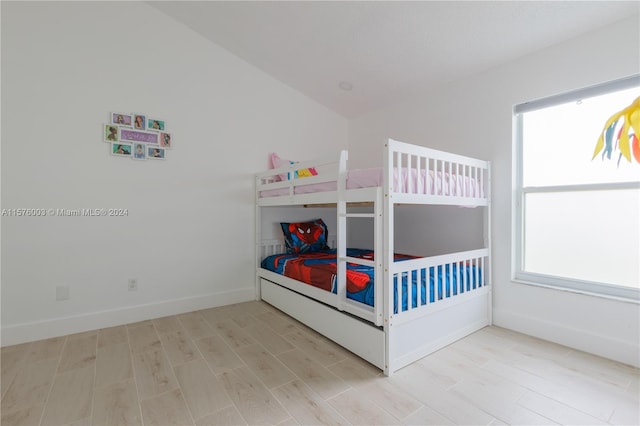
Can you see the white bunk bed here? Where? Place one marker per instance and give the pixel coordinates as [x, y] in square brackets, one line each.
[387, 334]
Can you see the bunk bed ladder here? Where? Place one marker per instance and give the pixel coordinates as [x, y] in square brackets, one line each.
[342, 259]
[377, 262]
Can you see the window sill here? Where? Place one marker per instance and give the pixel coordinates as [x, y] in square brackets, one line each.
[634, 301]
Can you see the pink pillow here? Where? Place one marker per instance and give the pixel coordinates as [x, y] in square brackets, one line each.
[277, 162]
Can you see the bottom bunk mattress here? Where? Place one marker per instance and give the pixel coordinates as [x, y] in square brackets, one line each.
[319, 270]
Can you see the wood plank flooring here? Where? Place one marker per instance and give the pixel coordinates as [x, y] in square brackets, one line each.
[251, 364]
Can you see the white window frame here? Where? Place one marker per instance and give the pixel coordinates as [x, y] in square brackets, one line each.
[518, 273]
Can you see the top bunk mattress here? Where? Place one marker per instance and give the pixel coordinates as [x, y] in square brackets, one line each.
[432, 183]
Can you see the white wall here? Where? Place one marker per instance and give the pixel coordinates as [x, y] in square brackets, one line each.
[188, 237]
[473, 117]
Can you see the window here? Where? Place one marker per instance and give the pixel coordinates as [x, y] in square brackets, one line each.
[577, 220]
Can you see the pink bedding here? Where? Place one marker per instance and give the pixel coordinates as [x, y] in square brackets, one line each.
[455, 185]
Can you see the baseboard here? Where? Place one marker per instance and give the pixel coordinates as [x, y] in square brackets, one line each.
[605, 346]
[28, 332]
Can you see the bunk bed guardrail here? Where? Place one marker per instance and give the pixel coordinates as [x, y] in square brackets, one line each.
[443, 177]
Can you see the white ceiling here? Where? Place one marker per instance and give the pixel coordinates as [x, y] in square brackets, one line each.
[386, 49]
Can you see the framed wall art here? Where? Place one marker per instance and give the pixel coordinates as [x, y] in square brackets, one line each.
[139, 121]
[155, 125]
[111, 133]
[155, 153]
[165, 140]
[137, 136]
[121, 119]
[121, 149]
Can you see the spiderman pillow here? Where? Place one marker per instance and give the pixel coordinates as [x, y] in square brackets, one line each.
[305, 237]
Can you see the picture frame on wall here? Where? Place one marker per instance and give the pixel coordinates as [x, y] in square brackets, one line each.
[132, 135]
[139, 121]
[155, 125]
[121, 119]
[139, 151]
[155, 153]
[165, 140]
[121, 149]
[111, 133]
[136, 136]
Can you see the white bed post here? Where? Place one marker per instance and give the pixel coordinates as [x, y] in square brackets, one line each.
[388, 256]
[488, 275]
[258, 237]
[379, 255]
[341, 253]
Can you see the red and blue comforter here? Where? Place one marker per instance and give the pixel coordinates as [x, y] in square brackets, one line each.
[319, 270]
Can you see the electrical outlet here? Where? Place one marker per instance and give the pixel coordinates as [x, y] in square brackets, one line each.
[133, 284]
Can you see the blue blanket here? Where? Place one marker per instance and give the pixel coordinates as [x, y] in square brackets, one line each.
[319, 269]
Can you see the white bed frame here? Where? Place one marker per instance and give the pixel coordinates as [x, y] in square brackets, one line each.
[387, 340]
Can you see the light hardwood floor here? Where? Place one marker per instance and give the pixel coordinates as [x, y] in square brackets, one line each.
[251, 364]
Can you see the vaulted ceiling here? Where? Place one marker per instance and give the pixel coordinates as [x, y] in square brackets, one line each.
[381, 51]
